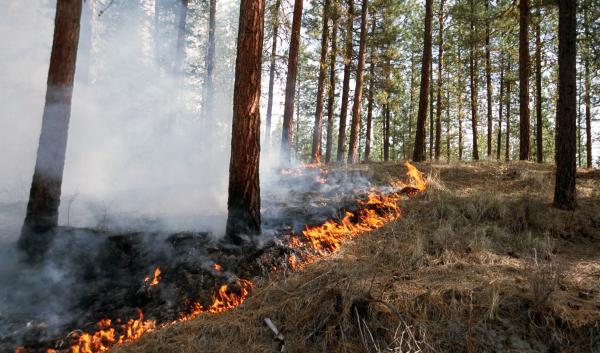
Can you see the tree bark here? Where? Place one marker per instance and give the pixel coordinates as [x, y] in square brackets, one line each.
[244, 185]
[318, 126]
[44, 197]
[210, 61]
[488, 81]
[346, 84]
[419, 150]
[287, 134]
[448, 117]
[370, 98]
[565, 192]
[331, 92]
[431, 113]
[460, 112]
[272, 67]
[500, 106]
[524, 125]
[588, 88]
[353, 155]
[538, 90]
[507, 142]
[438, 119]
[474, 85]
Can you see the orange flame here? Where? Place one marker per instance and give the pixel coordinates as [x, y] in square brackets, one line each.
[420, 182]
[155, 278]
[217, 267]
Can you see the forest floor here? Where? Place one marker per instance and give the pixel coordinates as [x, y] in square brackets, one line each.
[480, 262]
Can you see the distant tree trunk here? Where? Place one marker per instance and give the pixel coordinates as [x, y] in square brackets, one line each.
[331, 92]
[579, 116]
[180, 51]
[287, 134]
[524, 144]
[474, 85]
[448, 116]
[538, 90]
[353, 156]
[244, 187]
[346, 83]
[318, 127]
[565, 192]
[588, 88]
[386, 141]
[272, 67]
[488, 81]
[460, 107]
[44, 196]
[297, 120]
[500, 106]
[411, 101]
[431, 113]
[370, 97]
[210, 61]
[438, 119]
[507, 143]
[419, 150]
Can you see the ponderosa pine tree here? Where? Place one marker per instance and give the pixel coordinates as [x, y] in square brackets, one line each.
[507, 128]
[524, 114]
[538, 88]
[346, 81]
[488, 79]
[243, 202]
[566, 115]
[272, 67]
[500, 106]
[371, 94]
[473, 73]
[332, 79]
[182, 11]
[588, 86]
[44, 197]
[318, 126]
[210, 60]
[419, 149]
[287, 134]
[438, 117]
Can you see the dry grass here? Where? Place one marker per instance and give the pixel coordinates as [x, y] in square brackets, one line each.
[480, 263]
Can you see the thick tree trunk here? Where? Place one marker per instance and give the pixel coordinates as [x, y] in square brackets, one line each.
[272, 67]
[474, 86]
[588, 88]
[210, 61]
[565, 192]
[331, 92]
[346, 83]
[287, 134]
[370, 99]
[419, 150]
[438, 118]
[353, 155]
[488, 81]
[507, 142]
[318, 126]
[500, 106]
[44, 196]
[524, 128]
[538, 90]
[244, 187]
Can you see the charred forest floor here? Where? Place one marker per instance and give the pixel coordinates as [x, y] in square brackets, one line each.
[480, 262]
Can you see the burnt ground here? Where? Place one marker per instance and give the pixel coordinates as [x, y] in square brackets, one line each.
[479, 263]
[88, 275]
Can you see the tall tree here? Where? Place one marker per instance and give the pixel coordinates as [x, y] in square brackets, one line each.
[588, 87]
[244, 187]
[507, 142]
[353, 154]
[331, 92]
[419, 150]
[346, 83]
[210, 60]
[318, 127]
[371, 94]
[564, 191]
[488, 80]
[474, 81]
[460, 113]
[182, 11]
[500, 105]
[431, 113]
[287, 134]
[44, 197]
[272, 67]
[524, 144]
[438, 118]
[538, 88]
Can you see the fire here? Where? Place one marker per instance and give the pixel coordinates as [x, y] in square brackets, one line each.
[217, 267]
[155, 278]
[223, 300]
[420, 182]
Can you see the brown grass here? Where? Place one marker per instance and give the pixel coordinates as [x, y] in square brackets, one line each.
[480, 263]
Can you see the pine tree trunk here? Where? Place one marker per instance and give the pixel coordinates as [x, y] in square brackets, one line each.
[538, 90]
[500, 106]
[488, 81]
[331, 92]
[287, 134]
[474, 86]
[507, 142]
[411, 103]
[44, 197]
[460, 112]
[438, 119]
[448, 116]
[180, 50]
[524, 128]
[346, 83]
[386, 141]
[353, 155]
[431, 112]
[244, 187]
[419, 150]
[588, 88]
[272, 67]
[565, 192]
[318, 126]
[370, 98]
[210, 61]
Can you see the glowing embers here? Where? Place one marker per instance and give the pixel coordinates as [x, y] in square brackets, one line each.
[155, 279]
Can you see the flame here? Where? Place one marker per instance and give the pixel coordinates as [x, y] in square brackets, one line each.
[420, 182]
[155, 278]
[217, 267]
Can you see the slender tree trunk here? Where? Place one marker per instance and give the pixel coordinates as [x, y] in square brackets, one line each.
[297, 121]
[419, 150]
[474, 85]
[244, 187]
[318, 127]
[180, 50]
[346, 84]
[331, 92]
[411, 103]
[370, 97]
[287, 135]
[210, 61]
[538, 89]
[44, 197]
[272, 67]
[488, 81]
[353, 156]
[507, 142]
[579, 116]
[386, 141]
[588, 88]
[431, 113]
[500, 106]
[524, 128]
[460, 114]
[438, 119]
[565, 192]
[448, 116]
